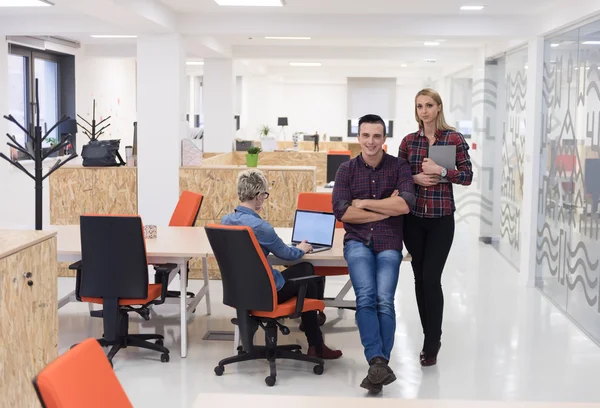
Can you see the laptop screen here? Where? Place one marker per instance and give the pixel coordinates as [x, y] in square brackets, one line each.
[315, 227]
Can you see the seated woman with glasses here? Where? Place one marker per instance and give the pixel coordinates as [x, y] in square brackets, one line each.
[252, 191]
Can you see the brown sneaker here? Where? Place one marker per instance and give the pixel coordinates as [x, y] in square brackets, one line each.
[325, 353]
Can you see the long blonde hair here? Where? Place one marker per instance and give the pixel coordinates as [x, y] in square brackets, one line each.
[441, 121]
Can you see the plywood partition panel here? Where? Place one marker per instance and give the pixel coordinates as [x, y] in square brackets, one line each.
[71, 194]
[28, 321]
[115, 191]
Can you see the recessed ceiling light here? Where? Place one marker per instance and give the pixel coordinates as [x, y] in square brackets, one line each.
[431, 43]
[430, 60]
[251, 3]
[472, 8]
[554, 45]
[403, 65]
[287, 38]
[194, 63]
[591, 43]
[113, 36]
[526, 66]
[25, 3]
[305, 64]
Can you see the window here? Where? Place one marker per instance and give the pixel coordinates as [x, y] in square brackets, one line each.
[25, 66]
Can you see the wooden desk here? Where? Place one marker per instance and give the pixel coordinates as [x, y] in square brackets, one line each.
[28, 312]
[261, 401]
[172, 245]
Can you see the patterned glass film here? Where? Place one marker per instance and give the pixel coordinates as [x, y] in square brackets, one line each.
[568, 244]
[513, 125]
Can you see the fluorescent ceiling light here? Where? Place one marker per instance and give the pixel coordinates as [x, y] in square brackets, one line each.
[430, 60]
[25, 3]
[287, 38]
[591, 43]
[403, 65]
[431, 43]
[305, 64]
[251, 3]
[195, 63]
[472, 8]
[112, 35]
[554, 45]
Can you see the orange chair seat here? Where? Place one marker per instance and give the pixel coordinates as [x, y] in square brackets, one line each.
[331, 270]
[289, 307]
[154, 290]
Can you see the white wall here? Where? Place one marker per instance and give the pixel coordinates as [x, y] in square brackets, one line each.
[112, 83]
[313, 107]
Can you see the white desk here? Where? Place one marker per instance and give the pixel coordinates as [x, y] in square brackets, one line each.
[262, 401]
[172, 245]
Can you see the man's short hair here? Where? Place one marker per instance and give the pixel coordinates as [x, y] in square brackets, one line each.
[251, 183]
[374, 119]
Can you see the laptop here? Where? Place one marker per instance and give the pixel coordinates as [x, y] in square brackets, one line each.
[445, 156]
[316, 227]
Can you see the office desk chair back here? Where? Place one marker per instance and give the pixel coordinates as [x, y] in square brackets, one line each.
[185, 215]
[113, 272]
[335, 158]
[81, 377]
[249, 287]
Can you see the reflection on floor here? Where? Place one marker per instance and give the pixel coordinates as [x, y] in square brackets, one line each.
[501, 342]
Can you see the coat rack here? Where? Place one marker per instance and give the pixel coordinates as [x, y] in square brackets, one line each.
[92, 133]
[38, 157]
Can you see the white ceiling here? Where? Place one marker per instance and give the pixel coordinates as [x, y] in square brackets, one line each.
[402, 7]
[357, 37]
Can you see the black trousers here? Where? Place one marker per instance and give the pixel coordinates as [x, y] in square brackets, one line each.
[313, 291]
[428, 240]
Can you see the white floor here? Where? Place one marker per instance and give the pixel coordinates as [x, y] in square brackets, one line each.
[500, 342]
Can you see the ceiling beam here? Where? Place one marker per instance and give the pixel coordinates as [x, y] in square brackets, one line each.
[356, 25]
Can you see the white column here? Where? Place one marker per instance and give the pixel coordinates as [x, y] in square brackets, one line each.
[3, 104]
[161, 124]
[218, 91]
[531, 171]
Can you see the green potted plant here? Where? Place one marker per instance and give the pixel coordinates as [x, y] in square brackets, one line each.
[252, 156]
[264, 131]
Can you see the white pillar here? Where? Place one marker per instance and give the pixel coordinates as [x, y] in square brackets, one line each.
[218, 91]
[3, 103]
[531, 170]
[161, 124]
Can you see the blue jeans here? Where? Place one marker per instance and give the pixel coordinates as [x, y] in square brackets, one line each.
[374, 277]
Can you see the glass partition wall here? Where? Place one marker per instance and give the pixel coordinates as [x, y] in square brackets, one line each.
[568, 230]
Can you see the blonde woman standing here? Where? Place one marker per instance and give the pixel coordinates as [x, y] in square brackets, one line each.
[429, 228]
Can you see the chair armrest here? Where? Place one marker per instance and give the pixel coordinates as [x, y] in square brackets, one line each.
[75, 266]
[303, 284]
[163, 271]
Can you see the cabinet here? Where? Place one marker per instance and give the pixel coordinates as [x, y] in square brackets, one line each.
[28, 318]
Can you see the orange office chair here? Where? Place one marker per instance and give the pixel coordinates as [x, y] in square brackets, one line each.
[340, 152]
[185, 215]
[385, 148]
[81, 377]
[113, 272]
[322, 202]
[248, 286]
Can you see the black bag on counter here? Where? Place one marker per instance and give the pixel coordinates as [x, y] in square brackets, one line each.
[102, 153]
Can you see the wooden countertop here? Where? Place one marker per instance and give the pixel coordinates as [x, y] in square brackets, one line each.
[13, 241]
[242, 167]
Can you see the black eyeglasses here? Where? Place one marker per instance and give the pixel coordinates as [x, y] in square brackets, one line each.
[265, 194]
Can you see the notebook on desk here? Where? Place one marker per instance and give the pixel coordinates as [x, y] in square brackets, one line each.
[318, 228]
[445, 156]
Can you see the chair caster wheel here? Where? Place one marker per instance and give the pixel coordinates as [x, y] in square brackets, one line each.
[318, 369]
[159, 342]
[164, 358]
[322, 318]
[219, 370]
[270, 380]
[285, 331]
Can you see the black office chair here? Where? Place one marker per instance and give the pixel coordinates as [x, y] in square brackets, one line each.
[248, 286]
[113, 272]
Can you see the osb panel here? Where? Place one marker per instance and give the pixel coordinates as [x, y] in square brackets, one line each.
[284, 189]
[223, 158]
[208, 155]
[115, 191]
[71, 194]
[28, 321]
[64, 271]
[355, 149]
[319, 160]
[218, 186]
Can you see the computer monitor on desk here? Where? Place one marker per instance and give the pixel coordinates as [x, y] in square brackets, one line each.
[334, 161]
